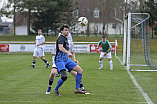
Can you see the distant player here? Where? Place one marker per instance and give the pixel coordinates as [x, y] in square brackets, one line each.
[63, 62]
[106, 52]
[39, 51]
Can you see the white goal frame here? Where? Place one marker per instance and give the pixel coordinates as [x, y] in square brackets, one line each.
[127, 30]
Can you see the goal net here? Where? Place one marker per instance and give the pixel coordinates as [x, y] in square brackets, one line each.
[139, 52]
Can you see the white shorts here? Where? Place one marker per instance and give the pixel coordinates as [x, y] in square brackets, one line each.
[108, 55]
[38, 52]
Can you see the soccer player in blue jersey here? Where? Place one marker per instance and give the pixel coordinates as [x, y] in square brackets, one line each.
[63, 62]
[39, 51]
[106, 52]
[54, 68]
[71, 46]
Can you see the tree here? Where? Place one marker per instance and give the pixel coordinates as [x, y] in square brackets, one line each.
[28, 6]
[112, 12]
[151, 8]
[53, 17]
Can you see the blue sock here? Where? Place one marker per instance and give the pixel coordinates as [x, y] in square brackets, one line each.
[78, 80]
[60, 82]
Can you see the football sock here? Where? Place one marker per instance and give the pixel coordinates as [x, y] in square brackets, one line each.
[60, 82]
[46, 61]
[34, 61]
[50, 82]
[111, 65]
[101, 65]
[53, 59]
[78, 80]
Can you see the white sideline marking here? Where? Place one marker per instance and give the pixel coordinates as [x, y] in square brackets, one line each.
[146, 97]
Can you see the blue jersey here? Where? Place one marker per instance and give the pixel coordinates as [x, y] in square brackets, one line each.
[59, 54]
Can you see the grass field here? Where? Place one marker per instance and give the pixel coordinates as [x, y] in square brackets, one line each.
[21, 85]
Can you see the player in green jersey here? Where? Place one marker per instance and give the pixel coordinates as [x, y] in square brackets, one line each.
[106, 52]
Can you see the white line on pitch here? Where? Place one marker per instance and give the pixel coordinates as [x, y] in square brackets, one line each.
[140, 89]
[146, 97]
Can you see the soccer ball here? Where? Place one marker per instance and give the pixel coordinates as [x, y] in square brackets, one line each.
[82, 21]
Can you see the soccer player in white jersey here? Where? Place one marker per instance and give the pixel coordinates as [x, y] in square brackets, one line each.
[39, 51]
[106, 52]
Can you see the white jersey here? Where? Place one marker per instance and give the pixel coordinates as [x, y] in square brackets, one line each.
[39, 39]
[39, 51]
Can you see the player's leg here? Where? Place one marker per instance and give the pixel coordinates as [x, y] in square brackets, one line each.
[61, 68]
[101, 60]
[72, 65]
[46, 62]
[53, 63]
[110, 60]
[74, 73]
[60, 82]
[35, 54]
[51, 79]
[33, 63]
[78, 79]
[41, 54]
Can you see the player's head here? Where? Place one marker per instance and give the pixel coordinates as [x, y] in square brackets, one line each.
[103, 38]
[64, 29]
[39, 31]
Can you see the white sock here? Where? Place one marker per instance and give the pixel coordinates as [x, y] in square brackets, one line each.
[53, 59]
[111, 65]
[101, 65]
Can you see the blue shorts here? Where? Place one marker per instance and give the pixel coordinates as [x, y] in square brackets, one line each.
[65, 64]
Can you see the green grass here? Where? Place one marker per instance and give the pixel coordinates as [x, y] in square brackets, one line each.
[21, 85]
[76, 38]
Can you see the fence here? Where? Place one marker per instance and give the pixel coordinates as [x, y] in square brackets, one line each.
[79, 47]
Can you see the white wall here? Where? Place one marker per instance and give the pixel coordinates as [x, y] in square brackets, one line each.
[21, 30]
[118, 30]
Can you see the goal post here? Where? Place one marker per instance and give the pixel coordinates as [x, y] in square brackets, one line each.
[139, 52]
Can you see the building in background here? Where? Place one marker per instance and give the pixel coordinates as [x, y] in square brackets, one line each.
[94, 11]
[5, 25]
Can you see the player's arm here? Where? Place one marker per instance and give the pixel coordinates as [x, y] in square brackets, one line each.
[73, 56]
[41, 44]
[108, 50]
[43, 41]
[61, 48]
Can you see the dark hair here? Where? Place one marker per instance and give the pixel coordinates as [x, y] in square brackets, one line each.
[103, 36]
[64, 26]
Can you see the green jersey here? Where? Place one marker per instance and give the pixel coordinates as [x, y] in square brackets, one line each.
[105, 46]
